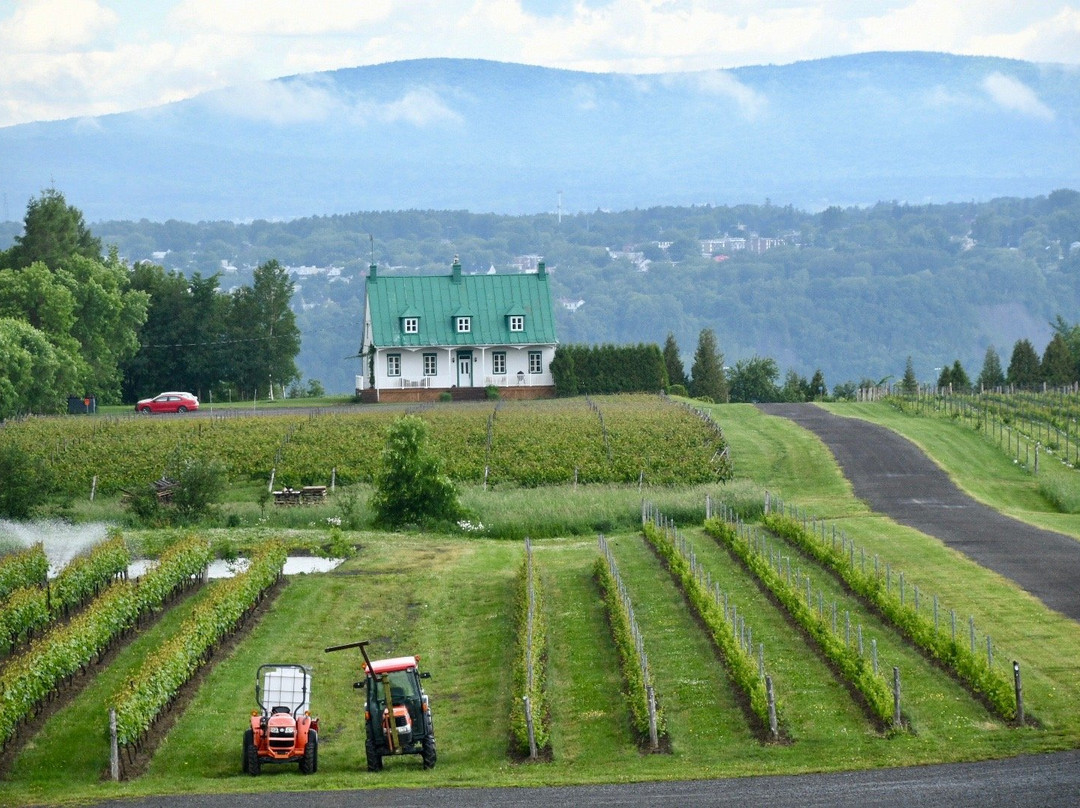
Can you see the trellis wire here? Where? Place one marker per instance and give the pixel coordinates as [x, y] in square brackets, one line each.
[635, 633]
[818, 528]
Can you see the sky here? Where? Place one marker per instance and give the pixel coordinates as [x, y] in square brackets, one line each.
[78, 58]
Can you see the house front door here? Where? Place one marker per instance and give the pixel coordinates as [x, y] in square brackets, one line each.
[464, 369]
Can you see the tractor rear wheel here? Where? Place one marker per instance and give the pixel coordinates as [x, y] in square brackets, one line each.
[252, 758]
[249, 741]
[427, 752]
[309, 763]
[374, 759]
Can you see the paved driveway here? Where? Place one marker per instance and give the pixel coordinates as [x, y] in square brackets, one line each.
[894, 477]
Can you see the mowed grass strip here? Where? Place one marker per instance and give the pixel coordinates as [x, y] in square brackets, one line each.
[590, 719]
[704, 717]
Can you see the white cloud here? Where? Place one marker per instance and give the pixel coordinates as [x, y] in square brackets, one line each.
[1014, 95]
[114, 55]
[721, 83]
[54, 26]
[278, 17]
[318, 101]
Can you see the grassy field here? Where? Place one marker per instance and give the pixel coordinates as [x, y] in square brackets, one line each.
[449, 599]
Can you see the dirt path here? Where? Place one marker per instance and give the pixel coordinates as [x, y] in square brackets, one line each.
[896, 478]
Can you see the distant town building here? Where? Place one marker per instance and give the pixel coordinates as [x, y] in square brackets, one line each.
[728, 244]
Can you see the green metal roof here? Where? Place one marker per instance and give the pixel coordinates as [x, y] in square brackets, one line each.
[437, 300]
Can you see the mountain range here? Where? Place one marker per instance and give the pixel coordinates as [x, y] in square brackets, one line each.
[507, 138]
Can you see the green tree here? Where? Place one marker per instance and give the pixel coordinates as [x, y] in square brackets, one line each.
[35, 375]
[410, 486]
[754, 380]
[959, 379]
[263, 332]
[991, 376]
[1025, 370]
[109, 314]
[676, 373]
[1057, 366]
[707, 371]
[53, 232]
[818, 388]
[909, 385]
[1071, 335]
[26, 482]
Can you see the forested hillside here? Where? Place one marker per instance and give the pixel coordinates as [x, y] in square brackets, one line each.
[851, 291]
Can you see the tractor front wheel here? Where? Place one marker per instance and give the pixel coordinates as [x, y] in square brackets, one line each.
[251, 757]
[309, 763]
[427, 752]
[249, 741]
[374, 759]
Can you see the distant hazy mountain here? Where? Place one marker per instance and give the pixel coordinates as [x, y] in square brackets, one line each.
[487, 136]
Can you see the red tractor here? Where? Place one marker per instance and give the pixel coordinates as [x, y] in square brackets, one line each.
[282, 729]
[397, 714]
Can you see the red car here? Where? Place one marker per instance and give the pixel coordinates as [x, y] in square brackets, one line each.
[169, 402]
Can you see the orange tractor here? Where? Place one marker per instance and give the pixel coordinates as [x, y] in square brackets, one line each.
[397, 714]
[282, 729]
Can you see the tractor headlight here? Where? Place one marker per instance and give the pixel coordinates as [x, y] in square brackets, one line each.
[281, 730]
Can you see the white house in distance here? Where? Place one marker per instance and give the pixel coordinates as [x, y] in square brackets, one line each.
[426, 335]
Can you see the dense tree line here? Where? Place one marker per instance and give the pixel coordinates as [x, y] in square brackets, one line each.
[851, 291]
[224, 345]
[76, 323]
[848, 294]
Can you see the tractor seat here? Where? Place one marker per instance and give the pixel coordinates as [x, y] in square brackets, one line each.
[398, 695]
[279, 709]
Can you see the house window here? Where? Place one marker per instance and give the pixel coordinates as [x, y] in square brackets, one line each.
[410, 325]
[517, 322]
[464, 324]
[536, 362]
[498, 363]
[393, 364]
[431, 364]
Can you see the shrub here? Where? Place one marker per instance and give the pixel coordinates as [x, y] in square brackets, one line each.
[410, 486]
[26, 482]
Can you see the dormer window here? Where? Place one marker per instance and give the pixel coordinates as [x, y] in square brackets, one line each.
[410, 325]
[517, 322]
[463, 324]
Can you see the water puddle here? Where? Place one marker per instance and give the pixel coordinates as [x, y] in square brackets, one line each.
[294, 565]
[63, 541]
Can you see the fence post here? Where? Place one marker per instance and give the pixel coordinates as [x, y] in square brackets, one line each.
[896, 695]
[93, 488]
[529, 728]
[1019, 693]
[114, 748]
[654, 741]
[774, 730]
